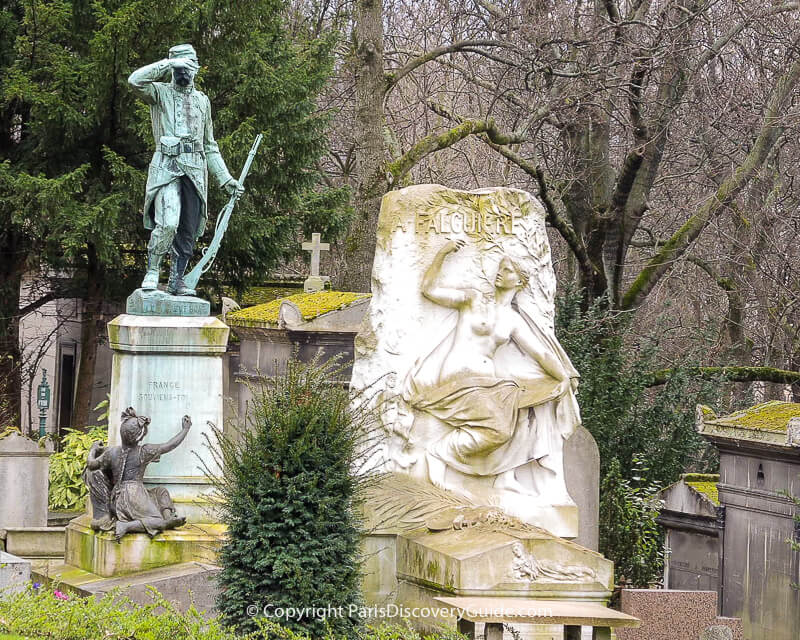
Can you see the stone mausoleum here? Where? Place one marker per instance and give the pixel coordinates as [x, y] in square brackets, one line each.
[692, 518]
[733, 534]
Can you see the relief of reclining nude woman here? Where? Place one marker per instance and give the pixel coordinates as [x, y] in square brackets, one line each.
[500, 382]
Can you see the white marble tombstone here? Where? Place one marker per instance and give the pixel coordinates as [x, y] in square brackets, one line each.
[458, 351]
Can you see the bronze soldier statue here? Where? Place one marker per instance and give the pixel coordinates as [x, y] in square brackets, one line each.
[115, 477]
[176, 204]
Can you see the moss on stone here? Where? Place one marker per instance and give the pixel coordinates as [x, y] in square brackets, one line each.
[261, 295]
[311, 305]
[211, 335]
[700, 477]
[769, 416]
[707, 487]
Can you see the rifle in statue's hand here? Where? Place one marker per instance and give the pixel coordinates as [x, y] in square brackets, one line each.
[209, 253]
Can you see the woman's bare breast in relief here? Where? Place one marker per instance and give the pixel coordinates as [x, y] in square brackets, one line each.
[479, 332]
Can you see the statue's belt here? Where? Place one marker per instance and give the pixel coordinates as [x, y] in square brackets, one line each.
[179, 147]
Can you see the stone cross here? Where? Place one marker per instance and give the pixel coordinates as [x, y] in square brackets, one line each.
[315, 282]
[315, 247]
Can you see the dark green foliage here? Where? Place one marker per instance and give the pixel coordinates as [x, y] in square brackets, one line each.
[629, 534]
[75, 143]
[629, 420]
[288, 496]
[646, 436]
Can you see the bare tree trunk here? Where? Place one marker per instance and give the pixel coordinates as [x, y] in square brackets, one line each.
[371, 182]
[10, 357]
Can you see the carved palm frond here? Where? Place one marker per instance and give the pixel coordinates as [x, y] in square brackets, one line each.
[397, 502]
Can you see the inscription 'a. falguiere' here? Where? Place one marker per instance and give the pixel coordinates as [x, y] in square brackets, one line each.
[473, 223]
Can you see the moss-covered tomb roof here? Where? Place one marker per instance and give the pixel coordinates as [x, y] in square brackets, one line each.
[767, 422]
[705, 484]
[311, 305]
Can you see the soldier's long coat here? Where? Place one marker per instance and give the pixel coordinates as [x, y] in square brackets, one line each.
[184, 115]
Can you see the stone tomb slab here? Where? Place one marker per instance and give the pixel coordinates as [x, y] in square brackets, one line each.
[533, 611]
[181, 584]
[24, 466]
[489, 560]
[422, 545]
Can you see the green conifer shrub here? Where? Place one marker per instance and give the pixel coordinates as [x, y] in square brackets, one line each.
[289, 496]
[629, 533]
[646, 435]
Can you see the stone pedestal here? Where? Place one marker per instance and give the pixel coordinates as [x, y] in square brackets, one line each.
[24, 465]
[168, 367]
[423, 545]
[165, 367]
[101, 555]
[160, 303]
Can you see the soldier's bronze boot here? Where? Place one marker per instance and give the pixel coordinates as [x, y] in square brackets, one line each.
[150, 281]
[176, 286]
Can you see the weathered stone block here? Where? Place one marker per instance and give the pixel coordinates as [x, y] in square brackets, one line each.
[36, 542]
[14, 573]
[582, 474]
[182, 585]
[24, 465]
[100, 554]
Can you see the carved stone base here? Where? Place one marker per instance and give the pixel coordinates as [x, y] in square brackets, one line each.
[425, 543]
[100, 554]
[160, 303]
[168, 367]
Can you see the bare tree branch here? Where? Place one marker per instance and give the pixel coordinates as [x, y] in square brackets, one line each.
[554, 218]
[435, 142]
[677, 245]
[491, 8]
[394, 77]
[730, 373]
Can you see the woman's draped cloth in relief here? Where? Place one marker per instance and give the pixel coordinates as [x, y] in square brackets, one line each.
[491, 432]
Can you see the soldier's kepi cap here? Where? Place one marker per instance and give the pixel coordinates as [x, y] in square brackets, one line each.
[183, 51]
